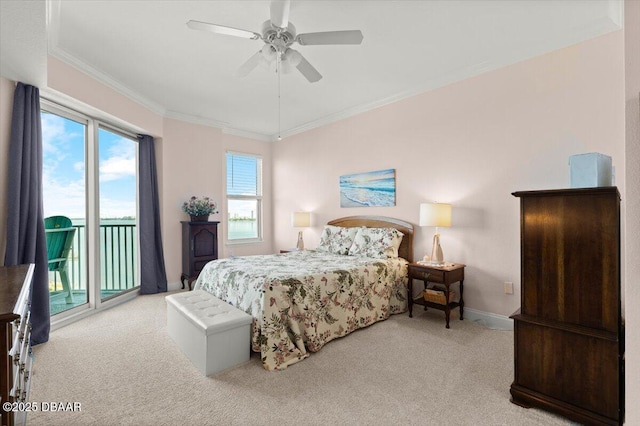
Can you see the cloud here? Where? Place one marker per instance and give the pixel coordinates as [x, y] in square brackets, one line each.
[64, 170]
[115, 168]
[120, 162]
[63, 198]
[59, 133]
[63, 190]
[53, 132]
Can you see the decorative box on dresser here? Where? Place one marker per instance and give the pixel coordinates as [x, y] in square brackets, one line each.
[569, 331]
[15, 341]
[199, 246]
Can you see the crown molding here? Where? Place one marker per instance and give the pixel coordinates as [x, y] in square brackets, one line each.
[612, 22]
[602, 26]
[180, 116]
[247, 134]
[224, 126]
[107, 80]
[461, 74]
[53, 29]
[53, 12]
[151, 105]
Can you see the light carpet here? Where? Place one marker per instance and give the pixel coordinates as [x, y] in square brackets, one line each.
[124, 369]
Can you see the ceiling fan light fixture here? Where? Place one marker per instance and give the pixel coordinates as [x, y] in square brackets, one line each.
[293, 57]
[279, 34]
[287, 67]
[269, 52]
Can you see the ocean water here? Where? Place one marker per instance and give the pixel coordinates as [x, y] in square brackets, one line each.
[379, 192]
[118, 255]
[239, 229]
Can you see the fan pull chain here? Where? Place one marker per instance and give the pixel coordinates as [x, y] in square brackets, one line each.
[278, 71]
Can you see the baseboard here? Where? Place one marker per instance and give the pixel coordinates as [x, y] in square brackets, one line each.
[177, 286]
[488, 319]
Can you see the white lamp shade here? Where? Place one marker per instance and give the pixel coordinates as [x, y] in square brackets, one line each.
[300, 219]
[435, 214]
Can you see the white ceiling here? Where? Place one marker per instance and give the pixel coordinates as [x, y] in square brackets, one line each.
[23, 41]
[145, 50]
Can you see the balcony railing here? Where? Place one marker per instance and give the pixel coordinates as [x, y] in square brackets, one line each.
[118, 254]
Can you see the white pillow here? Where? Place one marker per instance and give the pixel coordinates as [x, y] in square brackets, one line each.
[379, 243]
[336, 239]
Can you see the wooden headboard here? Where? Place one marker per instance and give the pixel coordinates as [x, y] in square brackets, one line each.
[406, 246]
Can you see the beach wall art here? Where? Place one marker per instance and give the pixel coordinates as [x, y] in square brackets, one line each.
[371, 189]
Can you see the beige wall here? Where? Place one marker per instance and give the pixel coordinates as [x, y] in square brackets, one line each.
[472, 144]
[632, 211]
[511, 129]
[87, 93]
[193, 163]
[190, 157]
[6, 106]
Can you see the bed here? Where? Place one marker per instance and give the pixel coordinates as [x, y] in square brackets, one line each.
[301, 300]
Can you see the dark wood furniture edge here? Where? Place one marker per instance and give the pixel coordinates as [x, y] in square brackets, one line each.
[571, 191]
[528, 398]
[199, 223]
[522, 393]
[572, 328]
[12, 280]
[10, 294]
[406, 246]
[189, 280]
[188, 260]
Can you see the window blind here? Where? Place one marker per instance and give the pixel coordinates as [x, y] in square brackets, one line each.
[242, 175]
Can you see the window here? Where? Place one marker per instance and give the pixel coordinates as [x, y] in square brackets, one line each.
[244, 197]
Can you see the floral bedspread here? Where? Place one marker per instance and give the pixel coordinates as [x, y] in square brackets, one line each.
[301, 300]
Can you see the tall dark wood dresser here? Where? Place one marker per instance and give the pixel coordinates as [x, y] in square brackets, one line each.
[199, 246]
[569, 332]
[16, 357]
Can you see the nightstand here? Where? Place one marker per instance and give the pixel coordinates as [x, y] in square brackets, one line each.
[442, 275]
[289, 250]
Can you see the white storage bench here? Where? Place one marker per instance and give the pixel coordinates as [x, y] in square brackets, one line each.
[213, 334]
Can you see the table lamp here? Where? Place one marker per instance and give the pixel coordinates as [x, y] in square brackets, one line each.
[435, 214]
[300, 220]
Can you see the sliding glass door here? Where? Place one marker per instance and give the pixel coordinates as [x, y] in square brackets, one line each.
[117, 159]
[64, 141]
[90, 206]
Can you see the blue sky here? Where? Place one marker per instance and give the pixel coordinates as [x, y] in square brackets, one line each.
[64, 170]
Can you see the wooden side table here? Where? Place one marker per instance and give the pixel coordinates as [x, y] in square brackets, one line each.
[289, 250]
[444, 275]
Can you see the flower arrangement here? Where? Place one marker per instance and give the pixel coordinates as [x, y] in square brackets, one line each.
[199, 206]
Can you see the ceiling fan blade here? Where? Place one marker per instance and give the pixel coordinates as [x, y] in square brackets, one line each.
[250, 64]
[280, 13]
[308, 71]
[221, 29]
[330, 37]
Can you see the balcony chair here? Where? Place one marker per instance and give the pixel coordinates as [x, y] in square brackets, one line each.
[60, 234]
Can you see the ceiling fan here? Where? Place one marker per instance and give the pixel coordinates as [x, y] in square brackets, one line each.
[279, 34]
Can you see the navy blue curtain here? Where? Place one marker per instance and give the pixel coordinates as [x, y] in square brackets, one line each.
[153, 276]
[26, 241]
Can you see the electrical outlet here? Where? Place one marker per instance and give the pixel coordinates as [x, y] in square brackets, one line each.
[508, 288]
